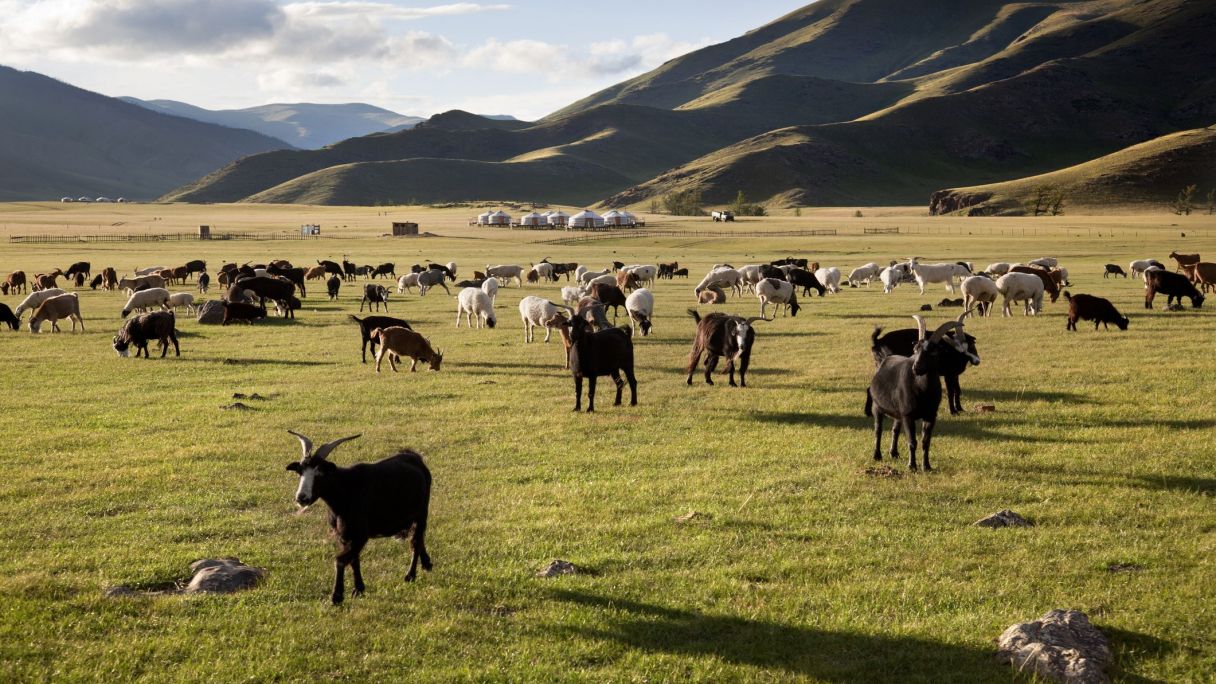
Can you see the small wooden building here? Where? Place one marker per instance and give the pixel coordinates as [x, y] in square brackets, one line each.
[204, 232]
[404, 228]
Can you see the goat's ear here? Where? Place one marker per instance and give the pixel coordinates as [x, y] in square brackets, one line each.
[295, 467]
[326, 467]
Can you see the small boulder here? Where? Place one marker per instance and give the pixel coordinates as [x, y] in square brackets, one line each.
[222, 576]
[1005, 518]
[211, 312]
[558, 567]
[1062, 645]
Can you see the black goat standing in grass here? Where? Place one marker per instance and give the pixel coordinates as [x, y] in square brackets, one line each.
[903, 343]
[387, 498]
[367, 325]
[592, 354]
[718, 335]
[910, 389]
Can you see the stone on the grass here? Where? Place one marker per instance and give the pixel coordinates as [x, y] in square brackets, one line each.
[237, 406]
[211, 312]
[222, 576]
[1062, 645]
[1005, 518]
[558, 567]
[693, 515]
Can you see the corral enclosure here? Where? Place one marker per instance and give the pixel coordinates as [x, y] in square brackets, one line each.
[798, 564]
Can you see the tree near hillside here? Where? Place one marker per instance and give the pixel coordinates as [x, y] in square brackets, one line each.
[683, 203]
[1185, 201]
[1046, 199]
[1055, 202]
[1211, 201]
[741, 207]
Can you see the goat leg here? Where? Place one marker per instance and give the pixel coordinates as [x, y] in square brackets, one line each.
[925, 438]
[633, 386]
[359, 587]
[590, 393]
[877, 435]
[730, 371]
[896, 426]
[711, 362]
[620, 386]
[910, 428]
[578, 392]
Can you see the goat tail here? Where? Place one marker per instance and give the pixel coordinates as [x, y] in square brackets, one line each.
[355, 318]
[869, 405]
[873, 336]
[1067, 296]
[696, 316]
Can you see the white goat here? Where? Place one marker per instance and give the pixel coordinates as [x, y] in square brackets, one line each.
[181, 299]
[978, 290]
[473, 302]
[938, 273]
[1045, 262]
[725, 277]
[1000, 268]
[407, 282]
[490, 287]
[587, 276]
[606, 279]
[571, 295]
[578, 273]
[1016, 287]
[864, 274]
[646, 272]
[536, 311]
[148, 270]
[544, 270]
[750, 275]
[829, 278]
[640, 305]
[506, 273]
[891, 276]
[777, 292]
[35, 299]
[1139, 266]
[145, 299]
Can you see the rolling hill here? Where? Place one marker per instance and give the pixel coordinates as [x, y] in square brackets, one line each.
[303, 125]
[60, 140]
[844, 102]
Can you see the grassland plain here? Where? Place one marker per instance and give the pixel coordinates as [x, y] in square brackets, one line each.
[121, 471]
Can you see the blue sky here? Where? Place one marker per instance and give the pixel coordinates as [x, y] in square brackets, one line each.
[523, 57]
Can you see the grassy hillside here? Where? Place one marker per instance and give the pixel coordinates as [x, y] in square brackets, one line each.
[1150, 174]
[59, 140]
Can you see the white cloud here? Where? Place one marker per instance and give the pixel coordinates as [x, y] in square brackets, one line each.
[383, 10]
[299, 81]
[558, 62]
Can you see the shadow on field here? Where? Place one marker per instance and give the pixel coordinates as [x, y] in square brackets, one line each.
[1025, 395]
[946, 427]
[1177, 483]
[263, 362]
[820, 654]
[1130, 647]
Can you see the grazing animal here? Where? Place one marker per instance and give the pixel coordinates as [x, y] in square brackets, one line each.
[646, 273]
[398, 341]
[78, 280]
[724, 278]
[143, 282]
[864, 274]
[1141, 265]
[1083, 307]
[595, 354]
[627, 281]
[57, 308]
[14, 283]
[8, 317]
[490, 287]
[1016, 287]
[533, 277]
[181, 299]
[938, 273]
[333, 286]
[830, 278]
[387, 498]
[1046, 263]
[145, 299]
[506, 273]
[238, 311]
[1173, 286]
[475, 302]
[806, 280]
[196, 266]
[1184, 260]
[609, 296]
[294, 275]
[1050, 285]
[35, 299]
[429, 279]
[903, 343]
[475, 283]
[542, 270]
[538, 312]
[279, 291]
[586, 276]
[571, 294]
[909, 389]
[448, 271]
[374, 295]
[719, 335]
[773, 291]
[148, 270]
[999, 268]
[86, 269]
[1115, 270]
[204, 282]
[1203, 274]
[47, 281]
[386, 270]
[640, 307]
[407, 283]
[593, 311]
[712, 295]
[315, 273]
[332, 267]
[138, 331]
[367, 325]
[981, 292]
[349, 270]
[680, 272]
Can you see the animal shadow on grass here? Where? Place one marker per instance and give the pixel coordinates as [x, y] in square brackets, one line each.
[265, 362]
[946, 426]
[1129, 647]
[821, 654]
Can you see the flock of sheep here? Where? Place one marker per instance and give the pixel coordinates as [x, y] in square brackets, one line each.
[906, 385]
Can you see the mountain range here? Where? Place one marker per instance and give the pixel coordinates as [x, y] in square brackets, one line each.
[843, 102]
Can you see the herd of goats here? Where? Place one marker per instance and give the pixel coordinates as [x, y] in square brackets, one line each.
[391, 497]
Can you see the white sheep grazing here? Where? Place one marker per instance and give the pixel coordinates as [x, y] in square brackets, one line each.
[829, 278]
[1045, 262]
[981, 291]
[490, 287]
[474, 302]
[864, 274]
[571, 295]
[640, 305]
[544, 270]
[587, 276]
[938, 273]
[148, 270]
[451, 267]
[645, 272]
[749, 275]
[407, 282]
[181, 299]
[536, 311]
[1016, 287]
[145, 299]
[506, 272]
[1139, 266]
[891, 277]
[606, 279]
[1000, 268]
[777, 292]
[578, 273]
[724, 277]
[35, 299]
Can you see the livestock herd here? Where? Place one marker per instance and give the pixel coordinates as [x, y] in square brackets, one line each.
[906, 385]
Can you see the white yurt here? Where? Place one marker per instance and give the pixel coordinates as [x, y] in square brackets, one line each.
[586, 219]
[532, 220]
[558, 218]
[500, 218]
[613, 218]
[628, 219]
[484, 219]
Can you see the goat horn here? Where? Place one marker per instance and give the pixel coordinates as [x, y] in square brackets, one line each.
[963, 315]
[305, 444]
[920, 326]
[328, 447]
[943, 329]
[753, 319]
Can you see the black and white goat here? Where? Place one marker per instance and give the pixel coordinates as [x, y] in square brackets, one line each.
[388, 498]
[910, 389]
[720, 334]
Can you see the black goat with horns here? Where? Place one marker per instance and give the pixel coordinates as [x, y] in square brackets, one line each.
[382, 499]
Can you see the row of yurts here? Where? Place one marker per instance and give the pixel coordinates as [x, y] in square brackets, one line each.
[584, 219]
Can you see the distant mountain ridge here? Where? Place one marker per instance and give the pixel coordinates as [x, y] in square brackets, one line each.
[58, 140]
[843, 102]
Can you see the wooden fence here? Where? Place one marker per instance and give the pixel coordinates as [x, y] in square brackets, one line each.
[650, 233]
[155, 237]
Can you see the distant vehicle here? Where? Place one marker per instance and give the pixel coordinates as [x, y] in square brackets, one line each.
[102, 199]
[66, 199]
[83, 199]
[121, 200]
[722, 216]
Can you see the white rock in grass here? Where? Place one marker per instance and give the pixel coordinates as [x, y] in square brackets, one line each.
[558, 567]
[222, 576]
[1005, 518]
[1061, 645]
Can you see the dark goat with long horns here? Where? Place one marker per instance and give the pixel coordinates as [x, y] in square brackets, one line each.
[388, 498]
[720, 334]
[903, 343]
[910, 389]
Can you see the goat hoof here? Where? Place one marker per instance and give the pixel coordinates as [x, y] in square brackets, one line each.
[410, 577]
[356, 593]
[336, 600]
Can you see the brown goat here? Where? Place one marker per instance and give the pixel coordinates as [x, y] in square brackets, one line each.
[397, 341]
[627, 281]
[14, 283]
[47, 281]
[109, 278]
[609, 295]
[1184, 260]
[1049, 281]
[1083, 307]
[1203, 274]
[315, 273]
[712, 295]
[56, 308]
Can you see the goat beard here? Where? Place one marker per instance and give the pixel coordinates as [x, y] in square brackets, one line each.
[301, 510]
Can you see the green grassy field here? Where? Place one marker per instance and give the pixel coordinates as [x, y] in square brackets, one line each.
[801, 566]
